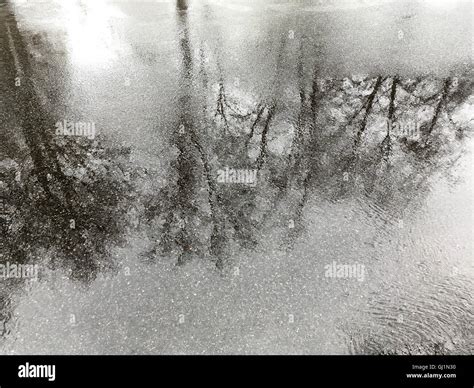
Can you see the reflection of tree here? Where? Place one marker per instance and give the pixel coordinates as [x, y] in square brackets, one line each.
[364, 161]
[179, 208]
[62, 198]
[182, 202]
[367, 107]
[387, 141]
[185, 139]
[343, 144]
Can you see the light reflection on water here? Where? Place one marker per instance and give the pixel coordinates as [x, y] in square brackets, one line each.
[257, 285]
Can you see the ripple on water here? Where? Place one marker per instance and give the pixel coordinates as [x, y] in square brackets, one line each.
[430, 318]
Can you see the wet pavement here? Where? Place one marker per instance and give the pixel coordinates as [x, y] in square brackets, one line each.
[197, 177]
